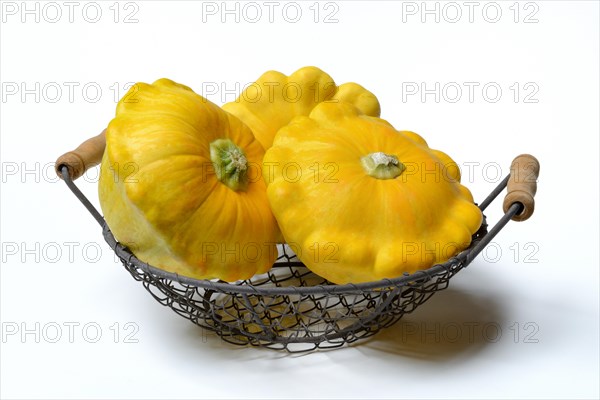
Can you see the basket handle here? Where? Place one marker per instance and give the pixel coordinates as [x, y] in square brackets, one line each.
[84, 157]
[522, 185]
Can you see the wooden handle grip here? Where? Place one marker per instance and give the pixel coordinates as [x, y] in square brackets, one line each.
[522, 185]
[87, 155]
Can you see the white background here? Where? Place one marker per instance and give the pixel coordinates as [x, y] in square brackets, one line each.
[537, 283]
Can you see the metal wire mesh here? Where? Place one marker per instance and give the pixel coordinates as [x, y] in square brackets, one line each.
[290, 308]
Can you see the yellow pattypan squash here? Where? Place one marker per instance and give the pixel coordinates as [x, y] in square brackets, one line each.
[360, 201]
[275, 99]
[181, 185]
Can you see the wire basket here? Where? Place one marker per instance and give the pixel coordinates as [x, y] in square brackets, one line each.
[290, 308]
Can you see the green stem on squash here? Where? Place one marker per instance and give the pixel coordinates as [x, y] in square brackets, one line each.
[230, 163]
[382, 166]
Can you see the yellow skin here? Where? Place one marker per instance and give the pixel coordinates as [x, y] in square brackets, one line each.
[349, 226]
[160, 193]
[275, 99]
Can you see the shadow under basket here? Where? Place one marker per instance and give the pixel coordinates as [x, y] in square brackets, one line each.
[290, 308]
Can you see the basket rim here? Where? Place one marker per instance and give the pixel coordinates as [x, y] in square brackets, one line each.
[479, 240]
[242, 287]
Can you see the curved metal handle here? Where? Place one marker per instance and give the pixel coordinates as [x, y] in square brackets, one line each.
[87, 155]
[522, 185]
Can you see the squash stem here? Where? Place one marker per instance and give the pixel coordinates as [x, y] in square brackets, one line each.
[230, 163]
[382, 166]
